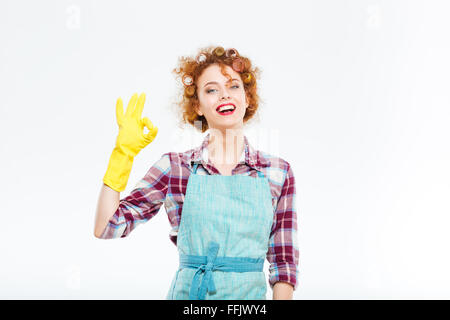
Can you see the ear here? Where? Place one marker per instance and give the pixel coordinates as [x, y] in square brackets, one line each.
[197, 109]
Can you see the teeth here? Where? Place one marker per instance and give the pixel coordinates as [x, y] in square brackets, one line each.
[229, 107]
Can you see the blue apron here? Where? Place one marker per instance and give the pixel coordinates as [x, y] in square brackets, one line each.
[223, 238]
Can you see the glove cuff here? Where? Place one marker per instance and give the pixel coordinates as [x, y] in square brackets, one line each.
[118, 171]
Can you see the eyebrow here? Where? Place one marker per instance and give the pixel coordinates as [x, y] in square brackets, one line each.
[217, 82]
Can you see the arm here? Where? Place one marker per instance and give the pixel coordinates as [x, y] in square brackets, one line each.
[107, 204]
[129, 142]
[282, 291]
[283, 254]
[143, 202]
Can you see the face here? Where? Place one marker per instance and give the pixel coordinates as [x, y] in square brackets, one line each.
[215, 89]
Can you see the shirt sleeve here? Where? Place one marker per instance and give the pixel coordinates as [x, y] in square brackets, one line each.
[283, 253]
[143, 202]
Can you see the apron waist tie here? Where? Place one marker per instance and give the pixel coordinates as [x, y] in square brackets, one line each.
[210, 262]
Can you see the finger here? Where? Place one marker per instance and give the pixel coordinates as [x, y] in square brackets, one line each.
[139, 106]
[131, 105]
[119, 111]
[153, 130]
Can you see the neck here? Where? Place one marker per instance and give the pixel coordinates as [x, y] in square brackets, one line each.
[225, 147]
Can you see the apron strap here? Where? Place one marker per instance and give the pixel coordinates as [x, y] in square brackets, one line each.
[260, 174]
[205, 265]
[195, 167]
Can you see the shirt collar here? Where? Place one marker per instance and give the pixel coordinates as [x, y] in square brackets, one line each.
[250, 156]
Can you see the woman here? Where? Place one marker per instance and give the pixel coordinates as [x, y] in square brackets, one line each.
[230, 206]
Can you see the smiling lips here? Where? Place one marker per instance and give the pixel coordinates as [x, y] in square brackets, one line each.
[229, 107]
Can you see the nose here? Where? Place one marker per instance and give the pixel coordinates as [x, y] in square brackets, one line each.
[225, 95]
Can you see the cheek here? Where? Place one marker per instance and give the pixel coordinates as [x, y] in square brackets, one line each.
[202, 103]
[243, 96]
[206, 100]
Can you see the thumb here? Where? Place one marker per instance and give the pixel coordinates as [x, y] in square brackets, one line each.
[153, 130]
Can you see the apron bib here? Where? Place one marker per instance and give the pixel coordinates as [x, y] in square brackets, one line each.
[223, 238]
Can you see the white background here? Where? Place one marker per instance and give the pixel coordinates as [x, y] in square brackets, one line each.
[355, 97]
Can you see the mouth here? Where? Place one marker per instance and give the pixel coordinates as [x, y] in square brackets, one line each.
[226, 109]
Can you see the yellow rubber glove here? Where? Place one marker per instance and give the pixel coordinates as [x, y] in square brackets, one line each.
[130, 140]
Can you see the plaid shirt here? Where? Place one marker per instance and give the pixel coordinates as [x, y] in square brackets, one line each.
[166, 183]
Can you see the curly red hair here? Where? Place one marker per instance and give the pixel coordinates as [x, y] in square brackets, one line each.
[194, 67]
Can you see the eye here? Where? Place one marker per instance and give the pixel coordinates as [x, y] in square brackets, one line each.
[236, 85]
